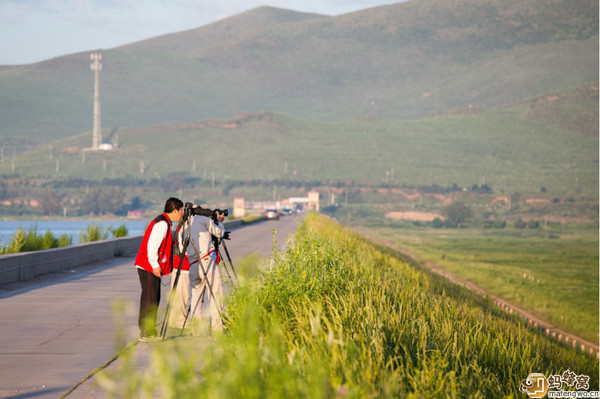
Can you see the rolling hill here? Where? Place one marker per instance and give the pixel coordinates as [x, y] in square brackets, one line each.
[403, 61]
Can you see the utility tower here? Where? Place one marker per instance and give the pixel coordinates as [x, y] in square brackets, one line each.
[96, 66]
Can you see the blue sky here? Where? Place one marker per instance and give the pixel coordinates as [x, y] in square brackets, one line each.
[36, 30]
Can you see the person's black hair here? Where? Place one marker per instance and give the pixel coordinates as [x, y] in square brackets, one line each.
[173, 204]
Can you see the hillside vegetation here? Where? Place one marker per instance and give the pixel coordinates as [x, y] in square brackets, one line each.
[402, 61]
[547, 143]
[336, 316]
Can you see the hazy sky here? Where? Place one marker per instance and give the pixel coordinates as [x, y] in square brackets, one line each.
[36, 30]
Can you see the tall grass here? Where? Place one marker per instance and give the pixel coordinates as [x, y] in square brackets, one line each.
[335, 316]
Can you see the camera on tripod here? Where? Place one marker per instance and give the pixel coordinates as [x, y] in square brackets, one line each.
[190, 209]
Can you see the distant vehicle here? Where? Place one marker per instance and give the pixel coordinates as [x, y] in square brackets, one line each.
[287, 211]
[272, 214]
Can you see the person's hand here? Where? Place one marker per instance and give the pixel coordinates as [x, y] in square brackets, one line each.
[156, 272]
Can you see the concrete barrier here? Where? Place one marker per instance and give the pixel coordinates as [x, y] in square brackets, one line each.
[27, 265]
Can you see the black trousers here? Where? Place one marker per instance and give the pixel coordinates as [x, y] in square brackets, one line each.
[149, 300]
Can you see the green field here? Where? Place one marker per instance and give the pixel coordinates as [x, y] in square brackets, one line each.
[334, 316]
[552, 273]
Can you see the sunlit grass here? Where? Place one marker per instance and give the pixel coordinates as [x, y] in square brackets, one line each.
[334, 316]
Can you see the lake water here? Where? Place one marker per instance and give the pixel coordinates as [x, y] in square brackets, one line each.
[69, 227]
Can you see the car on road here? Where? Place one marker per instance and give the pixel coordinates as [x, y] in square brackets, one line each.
[272, 214]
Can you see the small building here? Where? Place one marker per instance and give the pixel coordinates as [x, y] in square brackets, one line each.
[135, 214]
[239, 207]
[313, 200]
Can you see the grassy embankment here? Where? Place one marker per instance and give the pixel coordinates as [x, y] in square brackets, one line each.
[552, 274]
[335, 316]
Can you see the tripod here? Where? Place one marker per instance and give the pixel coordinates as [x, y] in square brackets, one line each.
[206, 281]
[187, 240]
[218, 242]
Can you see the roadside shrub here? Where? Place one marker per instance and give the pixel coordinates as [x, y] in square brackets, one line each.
[30, 240]
[93, 232]
[49, 241]
[120, 231]
[64, 240]
[249, 219]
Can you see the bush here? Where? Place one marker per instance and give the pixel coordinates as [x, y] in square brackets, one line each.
[437, 223]
[457, 213]
[519, 224]
[64, 240]
[450, 224]
[499, 224]
[533, 224]
[49, 241]
[29, 240]
[93, 232]
[120, 231]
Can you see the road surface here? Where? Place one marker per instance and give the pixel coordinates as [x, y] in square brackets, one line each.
[57, 330]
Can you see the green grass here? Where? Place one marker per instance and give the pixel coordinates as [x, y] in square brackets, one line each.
[335, 316]
[553, 274]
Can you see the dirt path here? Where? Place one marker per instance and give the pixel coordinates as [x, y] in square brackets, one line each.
[534, 322]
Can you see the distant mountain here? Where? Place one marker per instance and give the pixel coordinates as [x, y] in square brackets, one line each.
[402, 61]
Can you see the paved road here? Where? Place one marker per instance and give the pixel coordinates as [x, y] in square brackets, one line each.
[56, 331]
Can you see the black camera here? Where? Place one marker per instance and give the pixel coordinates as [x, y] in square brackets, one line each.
[223, 211]
[190, 209]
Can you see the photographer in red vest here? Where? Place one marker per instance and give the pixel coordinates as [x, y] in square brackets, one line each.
[154, 259]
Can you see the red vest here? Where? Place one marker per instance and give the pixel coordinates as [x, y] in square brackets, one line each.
[164, 251]
[185, 265]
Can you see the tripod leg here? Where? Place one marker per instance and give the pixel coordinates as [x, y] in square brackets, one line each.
[208, 281]
[226, 268]
[187, 314]
[229, 259]
[204, 273]
[189, 310]
[165, 324]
